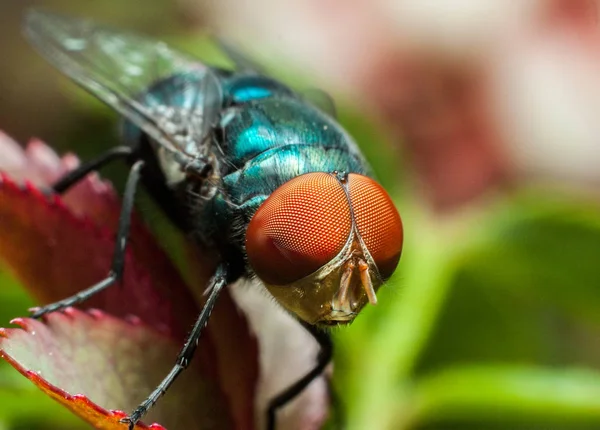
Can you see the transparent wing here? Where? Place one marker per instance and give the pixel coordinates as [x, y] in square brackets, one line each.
[119, 68]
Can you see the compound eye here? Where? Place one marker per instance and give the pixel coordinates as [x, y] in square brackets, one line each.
[302, 226]
[377, 221]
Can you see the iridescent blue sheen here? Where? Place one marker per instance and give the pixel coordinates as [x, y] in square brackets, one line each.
[245, 88]
[266, 141]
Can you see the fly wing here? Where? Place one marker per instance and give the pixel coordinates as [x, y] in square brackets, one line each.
[119, 67]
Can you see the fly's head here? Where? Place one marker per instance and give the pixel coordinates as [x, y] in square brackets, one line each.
[323, 244]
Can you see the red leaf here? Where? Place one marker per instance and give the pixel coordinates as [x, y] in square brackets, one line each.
[77, 232]
[97, 360]
[70, 244]
[70, 253]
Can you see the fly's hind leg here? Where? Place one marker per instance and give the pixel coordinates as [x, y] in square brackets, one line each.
[116, 270]
[323, 359]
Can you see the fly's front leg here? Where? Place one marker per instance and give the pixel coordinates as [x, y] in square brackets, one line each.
[323, 359]
[116, 272]
[82, 171]
[216, 285]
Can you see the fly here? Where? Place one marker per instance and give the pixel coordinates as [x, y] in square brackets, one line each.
[259, 174]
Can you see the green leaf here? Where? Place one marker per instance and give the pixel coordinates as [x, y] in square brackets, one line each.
[30, 407]
[506, 394]
[528, 292]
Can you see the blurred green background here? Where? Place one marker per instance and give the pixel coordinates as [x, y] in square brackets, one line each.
[491, 322]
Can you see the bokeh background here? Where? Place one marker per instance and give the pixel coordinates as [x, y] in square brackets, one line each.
[480, 118]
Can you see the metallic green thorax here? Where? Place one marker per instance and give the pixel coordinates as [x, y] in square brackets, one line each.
[269, 135]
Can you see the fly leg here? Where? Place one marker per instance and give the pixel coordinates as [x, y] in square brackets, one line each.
[118, 262]
[78, 174]
[216, 285]
[323, 359]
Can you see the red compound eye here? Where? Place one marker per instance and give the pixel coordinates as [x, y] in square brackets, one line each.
[378, 222]
[301, 226]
